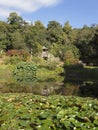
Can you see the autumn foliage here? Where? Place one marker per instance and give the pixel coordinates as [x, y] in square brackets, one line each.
[17, 53]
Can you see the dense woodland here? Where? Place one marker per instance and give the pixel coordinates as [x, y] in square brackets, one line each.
[65, 42]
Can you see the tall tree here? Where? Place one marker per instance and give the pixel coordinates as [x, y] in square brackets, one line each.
[4, 42]
[39, 33]
[55, 33]
[83, 40]
[67, 28]
[35, 37]
[17, 40]
[15, 21]
[56, 37]
[94, 48]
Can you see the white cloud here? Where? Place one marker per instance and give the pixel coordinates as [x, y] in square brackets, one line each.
[4, 12]
[7, 6]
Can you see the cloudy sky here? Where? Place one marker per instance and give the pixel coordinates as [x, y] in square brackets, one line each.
[77, 12]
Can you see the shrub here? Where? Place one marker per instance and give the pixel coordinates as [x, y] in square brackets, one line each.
[21, 53]
[50, 65]
[25, 72]
[37, 60]
[70, 58]
[12, 60]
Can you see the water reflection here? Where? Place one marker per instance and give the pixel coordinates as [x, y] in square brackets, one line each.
[89, 89]
[39, 88]
[78, 88]
[70, 88]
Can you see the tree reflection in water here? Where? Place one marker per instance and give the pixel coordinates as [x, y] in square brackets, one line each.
[77, 88]
[81, 88]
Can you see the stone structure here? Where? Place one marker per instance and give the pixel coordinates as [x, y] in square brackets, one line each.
[48, 56]
[45, 54]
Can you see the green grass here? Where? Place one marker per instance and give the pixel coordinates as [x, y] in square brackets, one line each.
[9, 84]
[33, 112]
[91, 67]
[44, 74]
[5, 73]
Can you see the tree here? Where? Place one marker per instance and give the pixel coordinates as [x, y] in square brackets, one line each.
[17, 40]
[39, 33]
[67, 28]
[55, 33]
[35, 37]
[56, 38]
[70, 54]
[94, 49]
[4, 42]
[15, 21]
[83, 40]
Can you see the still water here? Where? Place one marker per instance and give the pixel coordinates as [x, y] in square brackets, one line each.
[77, 88]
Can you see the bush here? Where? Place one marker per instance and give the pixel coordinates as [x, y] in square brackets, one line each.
[25, 72]
[20, 53]
[50, 65]
[12, 60]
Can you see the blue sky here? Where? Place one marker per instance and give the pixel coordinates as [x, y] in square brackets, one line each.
[77, 12]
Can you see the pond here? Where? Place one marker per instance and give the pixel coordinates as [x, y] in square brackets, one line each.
[77, 88]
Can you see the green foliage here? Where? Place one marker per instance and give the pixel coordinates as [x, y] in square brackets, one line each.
[15, 20]
[47, 69]
[17, 40]
[47, 64]
[25, 72]
[83, 42]
[55, 33]
[18, 34]
[5, 72]
[16, 56]
[50, 65]
[44, 74]
[69, 58]
[4, 42]
[12, 60]
[35, 37]
[68, 30]
[27, 111]
[22, 54]
[70, 54]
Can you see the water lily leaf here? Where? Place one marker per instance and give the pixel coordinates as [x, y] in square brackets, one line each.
[61, 114]
[28, 111]
[96, 122]
[44, 115]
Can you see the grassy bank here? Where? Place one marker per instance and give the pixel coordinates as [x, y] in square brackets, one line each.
[43, 74]
[27, 112]
[9, 84]
[5, 72]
